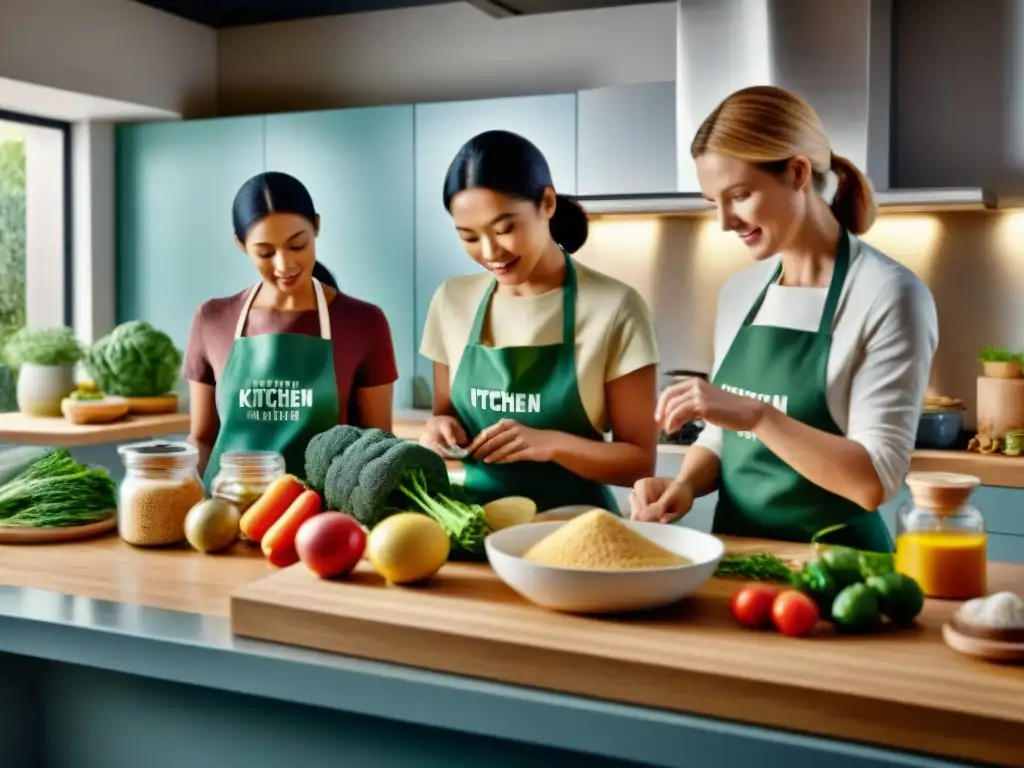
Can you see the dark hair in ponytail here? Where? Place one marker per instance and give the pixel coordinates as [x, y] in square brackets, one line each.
[323, 274]
[275, 192]
[512, 165]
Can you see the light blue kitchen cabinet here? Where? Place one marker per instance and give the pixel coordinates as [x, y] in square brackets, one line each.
[175, 246]
[547, 121]
[358, 166]
[627, 139]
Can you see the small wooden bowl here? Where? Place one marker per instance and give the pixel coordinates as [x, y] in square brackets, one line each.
[980, 648]
[151, 406]
[969, 629]
[102, 411]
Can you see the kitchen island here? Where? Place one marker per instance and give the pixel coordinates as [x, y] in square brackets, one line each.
[114, 656]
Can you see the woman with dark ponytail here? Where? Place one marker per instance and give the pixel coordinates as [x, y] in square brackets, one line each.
[823, 348]
[275, 364]
[536, 357]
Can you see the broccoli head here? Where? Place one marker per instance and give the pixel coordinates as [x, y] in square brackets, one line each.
[322, 449]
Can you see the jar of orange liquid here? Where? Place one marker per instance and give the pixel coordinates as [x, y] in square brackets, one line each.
[940, 537]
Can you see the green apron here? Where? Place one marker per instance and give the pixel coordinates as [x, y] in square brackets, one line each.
[760, 495]
[277, 391]
[537, 387]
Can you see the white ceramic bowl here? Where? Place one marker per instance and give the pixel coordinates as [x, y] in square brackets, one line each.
[592, 591]
[562, 513]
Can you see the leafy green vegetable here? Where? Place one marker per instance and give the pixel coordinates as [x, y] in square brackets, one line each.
[56, 491]
[14, 461]
[466, 524]
[134, 360]
[42, 346]
[761, 566]
[372, 474]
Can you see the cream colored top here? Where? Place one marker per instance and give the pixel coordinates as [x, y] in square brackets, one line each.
[614, 330]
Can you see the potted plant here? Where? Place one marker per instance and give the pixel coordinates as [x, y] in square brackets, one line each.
[45, 360]
[999, 363]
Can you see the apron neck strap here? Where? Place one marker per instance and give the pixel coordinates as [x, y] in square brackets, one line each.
[835, 286]
[323, 314]
[568, 308]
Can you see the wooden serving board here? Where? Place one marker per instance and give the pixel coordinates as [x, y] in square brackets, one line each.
[18, 535]
[903, 689]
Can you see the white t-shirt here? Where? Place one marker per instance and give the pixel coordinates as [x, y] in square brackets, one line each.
[884, 337]
[614, 331]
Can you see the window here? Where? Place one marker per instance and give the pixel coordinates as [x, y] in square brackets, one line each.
[35, 242]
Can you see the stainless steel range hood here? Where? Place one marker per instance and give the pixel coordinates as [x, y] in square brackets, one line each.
[837, 55]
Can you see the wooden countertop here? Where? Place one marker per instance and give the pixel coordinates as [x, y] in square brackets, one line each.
[898, 689]
[16, 427]
[175, 579]
[903, 690]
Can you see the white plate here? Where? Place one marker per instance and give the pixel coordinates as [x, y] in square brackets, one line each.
[584, 591]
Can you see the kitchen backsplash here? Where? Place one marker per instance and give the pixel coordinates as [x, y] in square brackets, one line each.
[972, 261]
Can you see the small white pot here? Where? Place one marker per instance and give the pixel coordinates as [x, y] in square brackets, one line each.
[42, 387]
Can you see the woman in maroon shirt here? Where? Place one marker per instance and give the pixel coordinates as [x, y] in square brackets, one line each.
[291, 356]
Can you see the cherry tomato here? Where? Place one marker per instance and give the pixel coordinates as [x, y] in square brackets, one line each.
[794, 613]
[752, 606]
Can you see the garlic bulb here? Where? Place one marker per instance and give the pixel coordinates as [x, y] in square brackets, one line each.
[1003, 610]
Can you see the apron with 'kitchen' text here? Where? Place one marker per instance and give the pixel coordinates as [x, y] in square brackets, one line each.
[537, 387]
[276, 392]
[760, 495]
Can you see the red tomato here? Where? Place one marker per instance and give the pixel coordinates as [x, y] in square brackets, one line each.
[752, 606]
[794, 613]
[330, 544]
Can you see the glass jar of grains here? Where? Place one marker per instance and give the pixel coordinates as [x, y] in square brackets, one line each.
[243, 476]
[161, 484]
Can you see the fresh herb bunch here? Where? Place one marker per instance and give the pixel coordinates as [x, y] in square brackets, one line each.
[999, 355]
[761, 566]
[55, 491]
[42, 346]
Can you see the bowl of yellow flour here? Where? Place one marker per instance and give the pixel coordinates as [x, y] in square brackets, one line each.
[598, 562]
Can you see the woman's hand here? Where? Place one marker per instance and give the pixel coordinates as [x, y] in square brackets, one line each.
[694, 398]
[660, 500]
[508, 441]
[442, 433]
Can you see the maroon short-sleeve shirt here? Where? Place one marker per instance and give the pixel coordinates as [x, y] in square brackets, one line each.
[364, 355]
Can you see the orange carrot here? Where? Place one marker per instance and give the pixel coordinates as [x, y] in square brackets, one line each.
[270, 506]
[279, 542]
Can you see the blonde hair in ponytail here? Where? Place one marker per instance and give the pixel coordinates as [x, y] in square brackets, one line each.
[768, 126]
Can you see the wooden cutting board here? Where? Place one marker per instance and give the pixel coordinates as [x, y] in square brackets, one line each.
[902, 689]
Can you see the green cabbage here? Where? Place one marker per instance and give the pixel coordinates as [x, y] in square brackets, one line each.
[134, 360]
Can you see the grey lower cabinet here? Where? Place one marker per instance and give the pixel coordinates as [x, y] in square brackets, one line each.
[626, 139]
[441, 129]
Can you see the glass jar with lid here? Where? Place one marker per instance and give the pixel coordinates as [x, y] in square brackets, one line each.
[940, 538]
[160, 486]
[243, 476]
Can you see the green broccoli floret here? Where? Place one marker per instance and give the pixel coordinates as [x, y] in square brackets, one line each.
[364, 478]
[322, 449]
[379, 474]
[466, 524]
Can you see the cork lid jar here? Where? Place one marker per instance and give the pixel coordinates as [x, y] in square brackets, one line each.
[941, 540]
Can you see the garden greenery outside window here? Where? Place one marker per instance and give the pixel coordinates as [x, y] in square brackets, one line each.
[33, 243]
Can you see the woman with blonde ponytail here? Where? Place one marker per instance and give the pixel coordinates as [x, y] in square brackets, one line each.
[823, 348]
